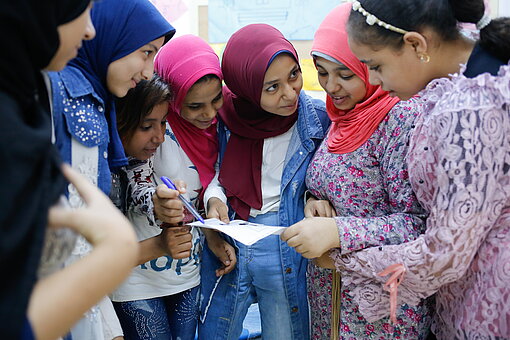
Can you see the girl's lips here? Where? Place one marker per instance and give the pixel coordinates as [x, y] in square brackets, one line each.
[337, 101]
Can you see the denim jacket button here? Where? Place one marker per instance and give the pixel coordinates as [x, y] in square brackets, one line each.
[288, 270]
[294, 309]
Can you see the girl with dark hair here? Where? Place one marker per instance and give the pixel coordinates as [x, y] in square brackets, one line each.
[159, 300]
[360, 170]
[458, 164]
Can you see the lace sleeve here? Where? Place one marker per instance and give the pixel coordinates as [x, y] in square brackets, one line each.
[141, 188]
[468, 179]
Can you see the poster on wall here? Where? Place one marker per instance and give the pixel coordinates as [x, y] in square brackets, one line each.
[296, 19]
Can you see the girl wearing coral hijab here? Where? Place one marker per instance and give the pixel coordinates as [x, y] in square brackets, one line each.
[361, 193]
[274, 131]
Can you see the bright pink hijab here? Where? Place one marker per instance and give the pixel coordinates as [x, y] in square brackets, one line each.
[352, 128]
[247, 56]
[181, 62]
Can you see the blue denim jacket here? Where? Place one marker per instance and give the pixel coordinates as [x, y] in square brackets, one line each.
[78, 113]
[312, 125]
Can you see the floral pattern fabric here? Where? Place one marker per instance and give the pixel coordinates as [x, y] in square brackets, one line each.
[370, 191]
[460, 162]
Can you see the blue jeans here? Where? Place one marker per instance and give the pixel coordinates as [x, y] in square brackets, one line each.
[260, 280]
[163, 318]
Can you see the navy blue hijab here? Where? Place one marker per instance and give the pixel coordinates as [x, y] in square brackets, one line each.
[122, 27]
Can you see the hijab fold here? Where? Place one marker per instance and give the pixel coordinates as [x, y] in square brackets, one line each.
[246, 58]
[30, 177]
[181, 62]
[122, 27]
[350, 128]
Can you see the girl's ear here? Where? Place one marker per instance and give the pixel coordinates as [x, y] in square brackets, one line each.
[418, 42]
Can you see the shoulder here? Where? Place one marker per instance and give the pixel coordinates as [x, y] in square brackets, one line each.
[484, 92]
[404, 114]
[71, 82]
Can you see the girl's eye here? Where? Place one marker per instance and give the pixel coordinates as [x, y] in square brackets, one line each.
[145, 128]
[272, 88]
[374, 68]
[147, 53]
[347, 77]
[194, 107]
[322, 74]
[295, 74]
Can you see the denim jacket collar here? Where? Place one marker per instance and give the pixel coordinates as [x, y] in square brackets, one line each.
[309, 124]
[77, 85]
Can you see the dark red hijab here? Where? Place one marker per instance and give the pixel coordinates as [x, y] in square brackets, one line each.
[247, 56]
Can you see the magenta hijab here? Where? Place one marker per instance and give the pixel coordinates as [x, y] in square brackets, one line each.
[181, 62]
[246, 58]
[351, 128]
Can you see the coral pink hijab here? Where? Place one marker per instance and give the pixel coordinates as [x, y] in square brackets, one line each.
[352, 128]
[181, 62]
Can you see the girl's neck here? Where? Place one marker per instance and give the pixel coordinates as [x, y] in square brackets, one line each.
[452, 55]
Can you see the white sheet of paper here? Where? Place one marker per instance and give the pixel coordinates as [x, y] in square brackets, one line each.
[242, 231]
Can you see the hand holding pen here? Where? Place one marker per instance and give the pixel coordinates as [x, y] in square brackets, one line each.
[187, 204]
[168, 208]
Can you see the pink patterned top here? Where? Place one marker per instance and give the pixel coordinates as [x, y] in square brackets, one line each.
[459, 165]
[370, 191]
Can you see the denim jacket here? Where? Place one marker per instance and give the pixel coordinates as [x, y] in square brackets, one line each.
[80, 124]
[312, 125]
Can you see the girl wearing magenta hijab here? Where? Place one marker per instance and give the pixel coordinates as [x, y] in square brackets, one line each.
[361, 192]
[271, 132]
[160, 299]
[84, 117]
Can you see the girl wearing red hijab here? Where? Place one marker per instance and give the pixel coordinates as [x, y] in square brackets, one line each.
[271, 130]
[363, 195]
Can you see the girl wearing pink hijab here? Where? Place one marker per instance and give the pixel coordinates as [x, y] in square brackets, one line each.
[361, 195]
[160, 298]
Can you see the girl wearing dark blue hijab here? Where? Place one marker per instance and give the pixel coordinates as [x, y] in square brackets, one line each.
[128, 35]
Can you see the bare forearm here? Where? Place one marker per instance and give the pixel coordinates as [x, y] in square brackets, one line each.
[150, 249]
[85, 283]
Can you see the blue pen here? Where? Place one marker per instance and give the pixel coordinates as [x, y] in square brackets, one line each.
[186, 203]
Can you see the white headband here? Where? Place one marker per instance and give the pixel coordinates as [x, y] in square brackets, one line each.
[372, 19]
[483, 22]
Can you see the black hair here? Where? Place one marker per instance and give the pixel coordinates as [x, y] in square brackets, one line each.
[139, 103]
[207, 78]
[442, 16]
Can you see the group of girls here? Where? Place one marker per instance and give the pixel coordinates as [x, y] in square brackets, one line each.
[394, 196]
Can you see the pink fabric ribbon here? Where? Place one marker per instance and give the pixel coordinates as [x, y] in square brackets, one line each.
[397, 270]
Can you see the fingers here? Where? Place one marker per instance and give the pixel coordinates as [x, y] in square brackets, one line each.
[230, 262]
[181, 185]
[178, 242]
[309, 211]
[289, 232]
[164, 192]
[167, 207]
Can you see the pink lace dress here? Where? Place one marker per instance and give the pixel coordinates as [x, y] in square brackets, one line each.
[372, 196]
[459, 165]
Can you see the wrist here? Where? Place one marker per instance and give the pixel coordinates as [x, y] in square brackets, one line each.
[333, 233]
